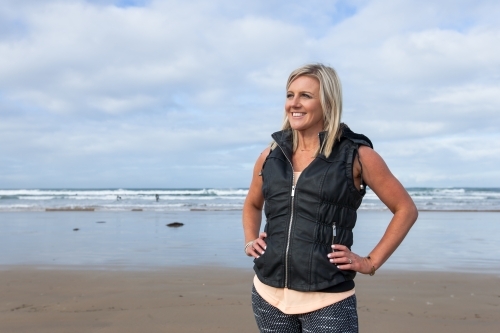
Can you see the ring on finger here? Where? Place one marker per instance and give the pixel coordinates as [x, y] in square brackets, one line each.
[350, 261]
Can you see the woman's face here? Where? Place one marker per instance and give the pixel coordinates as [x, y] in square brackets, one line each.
[302, 106]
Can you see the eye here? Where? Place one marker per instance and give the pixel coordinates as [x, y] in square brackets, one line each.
[306, 96]
[289, 95]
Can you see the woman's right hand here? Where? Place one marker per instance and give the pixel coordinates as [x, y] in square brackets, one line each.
[257, 247]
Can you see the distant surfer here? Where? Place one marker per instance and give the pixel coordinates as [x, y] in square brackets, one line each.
[118, 198]
[157, 197]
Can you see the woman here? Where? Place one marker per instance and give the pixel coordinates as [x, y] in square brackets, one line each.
[310, 181]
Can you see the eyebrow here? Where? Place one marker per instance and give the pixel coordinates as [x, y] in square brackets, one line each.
[301, 92]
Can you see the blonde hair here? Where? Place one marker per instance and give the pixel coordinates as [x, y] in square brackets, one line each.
[330, 90]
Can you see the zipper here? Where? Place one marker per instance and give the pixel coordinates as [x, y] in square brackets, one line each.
[292, 194]
[334, 232]
[289, 234]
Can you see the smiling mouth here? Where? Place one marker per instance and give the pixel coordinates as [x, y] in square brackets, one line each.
[297, 114]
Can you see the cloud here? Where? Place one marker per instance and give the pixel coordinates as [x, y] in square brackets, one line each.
[484, 97]
[414, 71]
[110, 92]
[77, 55]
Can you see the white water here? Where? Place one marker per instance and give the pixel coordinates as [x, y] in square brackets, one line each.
[437, 199]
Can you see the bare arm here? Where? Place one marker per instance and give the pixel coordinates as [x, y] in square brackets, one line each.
[377, 175]
[252, 211]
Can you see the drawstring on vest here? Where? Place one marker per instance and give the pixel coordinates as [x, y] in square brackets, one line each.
[361, 186]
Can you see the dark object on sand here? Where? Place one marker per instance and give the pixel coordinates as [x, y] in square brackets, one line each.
[101, 222]
[137, 209]
[175, 224]
[76, 229]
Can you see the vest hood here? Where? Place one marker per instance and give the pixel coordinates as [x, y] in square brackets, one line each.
[284, 138]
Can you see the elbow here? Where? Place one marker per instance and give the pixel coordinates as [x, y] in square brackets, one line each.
[249, 207]
[408, 212]
[413, 213]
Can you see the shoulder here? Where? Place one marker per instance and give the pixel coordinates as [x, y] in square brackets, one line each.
[368, 153]
[259, 164]
[264, 154]
[372, 162]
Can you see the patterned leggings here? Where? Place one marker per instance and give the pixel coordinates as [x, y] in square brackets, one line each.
[341, 317]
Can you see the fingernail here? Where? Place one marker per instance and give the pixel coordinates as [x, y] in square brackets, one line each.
[333, 246]
[263, 252]
[328, 255]
[265, 247]
[331, 260]
[258, 257]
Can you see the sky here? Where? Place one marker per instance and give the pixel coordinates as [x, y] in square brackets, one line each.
[186, 93]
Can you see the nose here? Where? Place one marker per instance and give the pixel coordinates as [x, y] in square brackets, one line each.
[295, 102]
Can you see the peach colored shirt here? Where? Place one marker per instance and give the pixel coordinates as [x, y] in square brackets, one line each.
[295, 302]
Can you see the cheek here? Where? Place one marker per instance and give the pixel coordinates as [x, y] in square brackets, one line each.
[318, 111]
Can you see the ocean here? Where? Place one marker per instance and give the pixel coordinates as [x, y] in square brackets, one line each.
[456, 231]
[433, 199]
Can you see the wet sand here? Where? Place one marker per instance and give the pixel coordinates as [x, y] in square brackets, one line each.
[218, 300]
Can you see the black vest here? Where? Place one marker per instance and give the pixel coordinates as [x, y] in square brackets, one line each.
[301, 221]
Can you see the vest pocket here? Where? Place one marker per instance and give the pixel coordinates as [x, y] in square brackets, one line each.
[270, 264]
[260, 263]
[322, 269]
[334, 232]
[326, 233]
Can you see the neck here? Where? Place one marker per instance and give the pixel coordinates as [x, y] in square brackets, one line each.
[309, 142]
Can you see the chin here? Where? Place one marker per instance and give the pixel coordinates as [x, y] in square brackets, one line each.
[298, 128]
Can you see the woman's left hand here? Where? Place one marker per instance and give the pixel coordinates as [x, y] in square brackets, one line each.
[347, 260]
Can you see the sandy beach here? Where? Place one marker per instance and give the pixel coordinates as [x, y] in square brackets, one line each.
[129, 272]
[218, 300]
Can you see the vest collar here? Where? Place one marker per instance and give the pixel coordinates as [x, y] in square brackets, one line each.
[284, 140]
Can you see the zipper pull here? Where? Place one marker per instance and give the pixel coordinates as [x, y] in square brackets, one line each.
[293, 191]
[334, 232]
